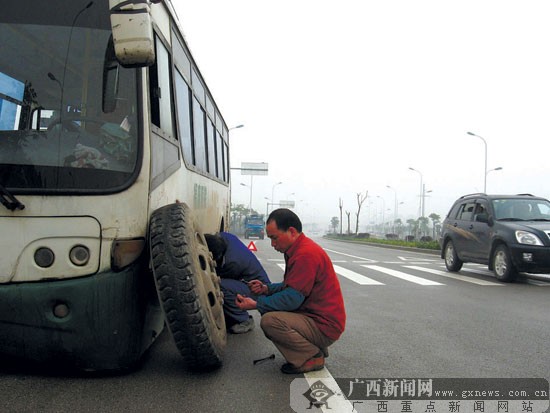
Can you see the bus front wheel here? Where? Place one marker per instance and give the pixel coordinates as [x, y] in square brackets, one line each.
[188, 286]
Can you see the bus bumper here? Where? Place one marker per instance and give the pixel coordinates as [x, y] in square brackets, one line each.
[101, 322]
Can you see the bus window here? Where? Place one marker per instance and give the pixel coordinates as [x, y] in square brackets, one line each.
[184, 118]
[161, 96]
[199, 136]
[211, 150]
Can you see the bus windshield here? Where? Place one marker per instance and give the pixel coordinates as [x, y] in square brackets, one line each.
[68, 110]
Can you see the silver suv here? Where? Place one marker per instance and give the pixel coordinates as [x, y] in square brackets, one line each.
[509, 233]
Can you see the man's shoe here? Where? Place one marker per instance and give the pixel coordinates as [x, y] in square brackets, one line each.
[315, 363]
[243, 327]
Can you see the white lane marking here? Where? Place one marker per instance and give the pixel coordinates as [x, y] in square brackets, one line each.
[353, 276]
[352, 256]
[476, 271]
[454, 276]
[402, 275]
[356, 277]
[338, 402]
[416, 259]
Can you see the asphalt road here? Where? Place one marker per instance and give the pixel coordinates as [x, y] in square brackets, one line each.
[406, 318]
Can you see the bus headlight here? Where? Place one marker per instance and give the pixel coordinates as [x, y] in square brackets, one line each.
[125, 252]
[44, 257]
[79, 255]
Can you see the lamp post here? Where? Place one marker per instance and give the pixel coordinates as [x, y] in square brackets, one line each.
[273, 192]
[424, 192]
[420, 212]
[395, 206]
[485, 170]
[250, 201]
[383, 211]
[229, 154]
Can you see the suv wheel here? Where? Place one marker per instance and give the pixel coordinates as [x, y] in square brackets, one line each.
[452, 262]
[502, 265]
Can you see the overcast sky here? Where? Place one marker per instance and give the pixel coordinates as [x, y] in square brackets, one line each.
[341, 97]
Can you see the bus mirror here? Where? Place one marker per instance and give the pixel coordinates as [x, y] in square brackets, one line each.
[132, 32]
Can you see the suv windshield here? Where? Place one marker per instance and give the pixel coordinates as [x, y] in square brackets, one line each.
[513, 209]
[67, 109]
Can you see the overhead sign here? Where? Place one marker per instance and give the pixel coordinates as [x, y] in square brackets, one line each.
[252, 246]
[286, 204]
[254, 168]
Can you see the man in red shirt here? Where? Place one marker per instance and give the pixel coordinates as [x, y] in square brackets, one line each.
[305, 313]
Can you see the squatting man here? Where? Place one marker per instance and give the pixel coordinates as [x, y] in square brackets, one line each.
[304, 314]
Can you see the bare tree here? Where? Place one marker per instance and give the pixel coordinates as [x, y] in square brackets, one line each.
[360, 200]
[341, 204]
[349, 229]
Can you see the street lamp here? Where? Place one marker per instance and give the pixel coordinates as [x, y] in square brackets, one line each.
[395, 206]
[421, 190]
[273, 192]
[498, 168]
[424, 192]
[250, 201]
[383, 211]
[229, 154]
[485, 170]
[235, 127]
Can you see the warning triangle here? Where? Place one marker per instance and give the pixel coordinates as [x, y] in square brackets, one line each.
[252, 246]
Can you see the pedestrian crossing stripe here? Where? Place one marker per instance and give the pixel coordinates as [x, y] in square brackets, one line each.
[356, 277]
[351, 256]
[417, 259]
[364, 280]
[402, 275]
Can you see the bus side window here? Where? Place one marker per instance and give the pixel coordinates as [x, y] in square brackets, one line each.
[161, 90]
[184, 118]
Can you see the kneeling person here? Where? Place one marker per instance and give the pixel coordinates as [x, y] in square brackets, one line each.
[236, 265]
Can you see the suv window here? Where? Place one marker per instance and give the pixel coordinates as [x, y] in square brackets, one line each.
[481, 209]
[466, 211]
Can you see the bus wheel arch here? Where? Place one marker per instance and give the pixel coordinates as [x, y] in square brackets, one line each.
[187, 285]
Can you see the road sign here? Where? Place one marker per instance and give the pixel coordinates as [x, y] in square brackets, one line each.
[286, 204]
[254, 168]
[252, 246]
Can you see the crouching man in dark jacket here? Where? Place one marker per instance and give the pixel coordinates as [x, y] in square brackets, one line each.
[236, 265]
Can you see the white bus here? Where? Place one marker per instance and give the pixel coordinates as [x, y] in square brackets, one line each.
[114, 161]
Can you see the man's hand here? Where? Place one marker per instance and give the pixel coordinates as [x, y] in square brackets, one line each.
[245, 303]
[257, 287]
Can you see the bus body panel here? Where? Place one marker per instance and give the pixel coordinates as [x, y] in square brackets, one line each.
[29, 235]
[94, 316]
[92, 336]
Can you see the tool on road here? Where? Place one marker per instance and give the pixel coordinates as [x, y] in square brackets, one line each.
[270, 357]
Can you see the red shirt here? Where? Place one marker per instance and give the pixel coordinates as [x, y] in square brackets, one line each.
[310, 271]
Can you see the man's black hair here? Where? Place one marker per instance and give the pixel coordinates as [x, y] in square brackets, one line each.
[216, 245]
[284, 219]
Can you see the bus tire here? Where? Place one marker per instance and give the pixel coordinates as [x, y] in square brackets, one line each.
[188, 287]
